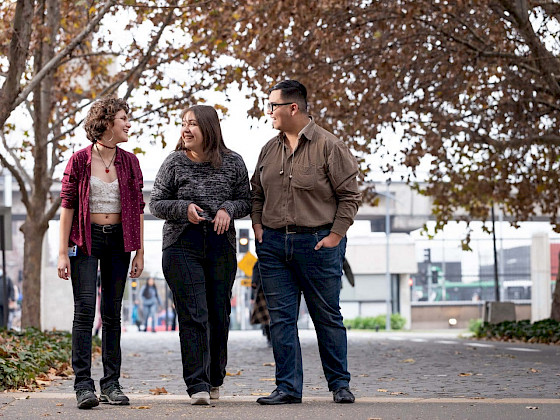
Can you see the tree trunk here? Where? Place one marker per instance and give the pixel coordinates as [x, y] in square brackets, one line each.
[33, 235]
[555, 312]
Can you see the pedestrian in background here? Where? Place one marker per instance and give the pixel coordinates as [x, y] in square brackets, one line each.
[101, 223]
[259, 313]
[199, 190]
[305, 197]
[9, 298]
[150, 303]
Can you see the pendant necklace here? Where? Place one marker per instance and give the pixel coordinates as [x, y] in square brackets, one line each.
[101, 157]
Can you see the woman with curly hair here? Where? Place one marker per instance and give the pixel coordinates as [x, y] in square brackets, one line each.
[101, 223]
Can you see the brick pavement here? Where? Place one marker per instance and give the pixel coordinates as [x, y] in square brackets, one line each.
[394, 365]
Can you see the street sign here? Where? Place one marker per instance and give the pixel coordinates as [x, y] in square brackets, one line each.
[246, 264]
[246, 282]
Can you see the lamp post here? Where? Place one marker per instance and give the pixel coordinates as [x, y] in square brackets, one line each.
[388, 298]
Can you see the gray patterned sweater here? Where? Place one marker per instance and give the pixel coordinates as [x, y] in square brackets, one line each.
[180, 182]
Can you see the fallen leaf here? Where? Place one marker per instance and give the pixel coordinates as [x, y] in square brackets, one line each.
[409, 361]
[364, 375]
[382, 390]
[60, 405]
[141, 407]
[269, 364]
[532, 408]
[260, 393]
[465, 374]
[267, 379]
[233, 374]
[533, 370]
[40, 382]
[397, 393]
[158, 391]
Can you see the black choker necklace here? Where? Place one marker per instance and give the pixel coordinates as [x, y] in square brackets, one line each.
[106, 146]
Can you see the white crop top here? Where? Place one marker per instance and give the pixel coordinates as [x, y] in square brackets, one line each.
[104, 197]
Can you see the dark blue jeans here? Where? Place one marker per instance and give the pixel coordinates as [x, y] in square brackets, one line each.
[291, 266]
[108, 253]
[200, 270]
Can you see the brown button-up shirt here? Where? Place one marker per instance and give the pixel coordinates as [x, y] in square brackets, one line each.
[315, 185]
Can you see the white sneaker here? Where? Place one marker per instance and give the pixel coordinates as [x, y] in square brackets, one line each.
[200, 398]
[215, 393]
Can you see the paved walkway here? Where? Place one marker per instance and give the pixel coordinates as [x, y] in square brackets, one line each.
[394, 376]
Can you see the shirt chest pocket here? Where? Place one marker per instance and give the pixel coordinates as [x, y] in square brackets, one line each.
[304, 177]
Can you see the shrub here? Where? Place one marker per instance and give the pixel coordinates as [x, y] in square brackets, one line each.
[376, 322]
[475, 325]
[545, 331]
[31, 354]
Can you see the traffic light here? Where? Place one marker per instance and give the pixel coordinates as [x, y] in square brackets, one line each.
[134, 285]
[436, 272]
[243, 240]
[427, 255]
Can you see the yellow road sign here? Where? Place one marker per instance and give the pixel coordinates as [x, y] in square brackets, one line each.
[247, 262]
[246, 282]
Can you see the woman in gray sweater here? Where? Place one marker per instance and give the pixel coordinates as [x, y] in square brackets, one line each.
[199, 190]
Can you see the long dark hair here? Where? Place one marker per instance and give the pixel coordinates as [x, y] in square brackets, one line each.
[212, 141]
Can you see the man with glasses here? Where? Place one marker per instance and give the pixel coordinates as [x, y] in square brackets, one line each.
[305, 197]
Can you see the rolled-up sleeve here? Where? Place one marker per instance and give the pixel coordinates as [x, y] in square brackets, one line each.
[139, 176]
[69, 189]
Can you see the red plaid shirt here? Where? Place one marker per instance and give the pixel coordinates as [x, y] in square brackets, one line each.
[75, 195]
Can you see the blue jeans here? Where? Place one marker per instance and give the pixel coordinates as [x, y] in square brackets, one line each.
[107, 251]
[200, 270]
[291, 266]
[150, 312]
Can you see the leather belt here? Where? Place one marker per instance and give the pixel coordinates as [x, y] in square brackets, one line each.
[107, 228]
[300, 229]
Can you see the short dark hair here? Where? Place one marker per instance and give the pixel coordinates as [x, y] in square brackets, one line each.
[101, 114]
[212, 140]
[292, 90]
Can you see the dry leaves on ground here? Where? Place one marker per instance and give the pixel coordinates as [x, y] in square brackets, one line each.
[233, 374]
[158, 391]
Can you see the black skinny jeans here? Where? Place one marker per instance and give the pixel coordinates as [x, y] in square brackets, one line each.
[108, 252]
[200, 270]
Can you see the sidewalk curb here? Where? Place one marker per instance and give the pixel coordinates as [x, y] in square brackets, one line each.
[245, 399]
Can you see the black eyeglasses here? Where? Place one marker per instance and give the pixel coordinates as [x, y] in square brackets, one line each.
[271, 106]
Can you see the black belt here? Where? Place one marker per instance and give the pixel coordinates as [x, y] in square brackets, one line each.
[107, 228]
[300, 229]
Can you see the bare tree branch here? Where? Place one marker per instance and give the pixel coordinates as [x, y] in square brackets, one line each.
[132, 77]
[48, 67]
